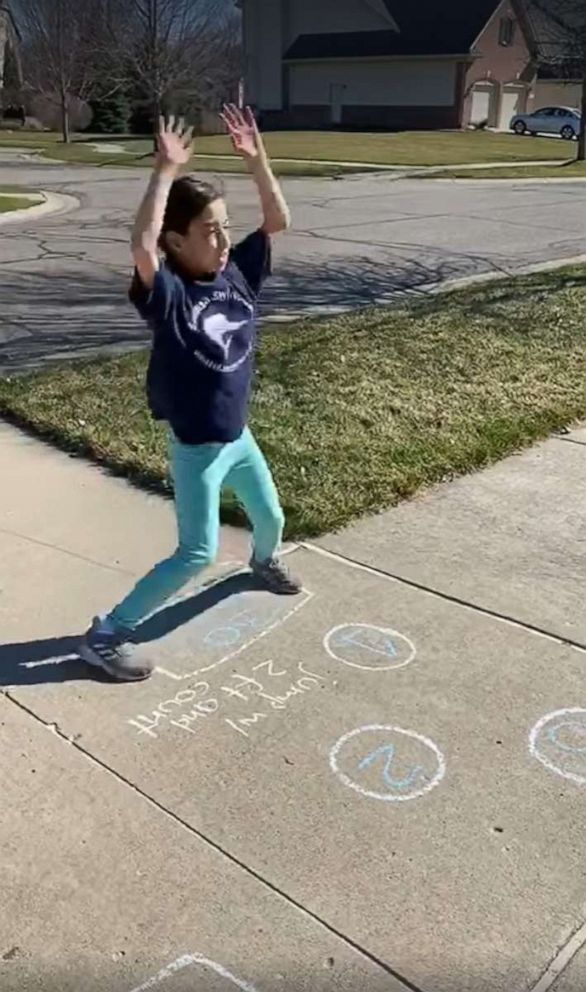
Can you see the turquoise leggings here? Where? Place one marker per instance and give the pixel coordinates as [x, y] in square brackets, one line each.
[199, 472]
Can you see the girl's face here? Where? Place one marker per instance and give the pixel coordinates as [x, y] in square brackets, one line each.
[205, 248]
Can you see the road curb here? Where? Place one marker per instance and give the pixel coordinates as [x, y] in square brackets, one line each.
[522, 181]
[52, 203]
[431, 289]
[525, 270]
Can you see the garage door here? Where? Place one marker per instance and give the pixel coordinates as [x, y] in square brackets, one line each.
[481, 103]
[511, 104]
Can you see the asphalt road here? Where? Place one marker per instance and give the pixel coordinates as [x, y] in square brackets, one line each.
[355, 241]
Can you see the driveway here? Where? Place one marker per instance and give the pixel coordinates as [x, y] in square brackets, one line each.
[356, 241]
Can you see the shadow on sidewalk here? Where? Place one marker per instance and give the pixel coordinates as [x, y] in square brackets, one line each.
[56, 659]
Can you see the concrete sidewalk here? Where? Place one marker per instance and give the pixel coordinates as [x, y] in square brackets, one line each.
[379, 785]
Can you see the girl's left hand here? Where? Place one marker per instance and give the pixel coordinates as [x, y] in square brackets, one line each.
[243, 131]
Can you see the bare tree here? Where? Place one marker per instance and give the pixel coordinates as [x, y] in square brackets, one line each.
[176, 53]
[559, 28]
[60, 49]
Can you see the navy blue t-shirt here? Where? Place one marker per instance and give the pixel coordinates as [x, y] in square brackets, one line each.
[204, 339]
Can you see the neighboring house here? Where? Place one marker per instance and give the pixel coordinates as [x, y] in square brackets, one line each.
[499, 78]
[558, 81]
[552, 90]
[387, 63]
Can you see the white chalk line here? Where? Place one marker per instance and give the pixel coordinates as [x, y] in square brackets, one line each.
[243, 647]
[561, 961]
[545, 761]
[57, 660]
[192, 961]
[387, 797]
[380, 630]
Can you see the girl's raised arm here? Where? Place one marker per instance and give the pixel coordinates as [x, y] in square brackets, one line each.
[247, 141]
[174, 150]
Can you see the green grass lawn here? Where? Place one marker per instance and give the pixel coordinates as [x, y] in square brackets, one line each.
[139, 153]
[10, 203]
[10, 200]
[359, 412]
[572, 170]
[404, 148]
[140, 156]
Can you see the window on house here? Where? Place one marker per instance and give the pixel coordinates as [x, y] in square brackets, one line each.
[506, 31]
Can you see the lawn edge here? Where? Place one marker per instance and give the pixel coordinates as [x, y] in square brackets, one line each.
[527, 436]
[526, 432]
[81, 447]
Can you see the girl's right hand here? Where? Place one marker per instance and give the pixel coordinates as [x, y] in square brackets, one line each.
[174, 143]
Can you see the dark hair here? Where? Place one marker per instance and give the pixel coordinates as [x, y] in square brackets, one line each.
[188, 198]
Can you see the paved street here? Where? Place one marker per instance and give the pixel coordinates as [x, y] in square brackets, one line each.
[355, 241]
[377, 786]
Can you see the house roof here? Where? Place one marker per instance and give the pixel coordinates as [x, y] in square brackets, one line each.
[362, 44]
[426, 27]
[451, 24]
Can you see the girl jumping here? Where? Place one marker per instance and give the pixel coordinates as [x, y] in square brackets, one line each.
[200, 304]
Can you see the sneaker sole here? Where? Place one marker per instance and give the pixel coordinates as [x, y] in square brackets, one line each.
[86, 654]
[284, 592]
[277, 592]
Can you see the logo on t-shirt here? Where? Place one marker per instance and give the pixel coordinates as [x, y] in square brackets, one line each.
[223, 325]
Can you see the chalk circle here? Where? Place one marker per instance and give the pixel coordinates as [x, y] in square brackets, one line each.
[558, 741]
[370, 648]
[428, 765]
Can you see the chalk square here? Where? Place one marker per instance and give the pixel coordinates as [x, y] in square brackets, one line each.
[196, 636]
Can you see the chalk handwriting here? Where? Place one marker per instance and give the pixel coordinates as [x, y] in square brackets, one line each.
[251, 688]
[245, 721]
[270, 689]
[149, 723]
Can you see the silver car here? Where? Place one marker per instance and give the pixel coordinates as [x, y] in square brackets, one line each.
[564, 121]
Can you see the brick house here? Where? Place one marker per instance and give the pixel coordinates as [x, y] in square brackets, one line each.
[389, 64]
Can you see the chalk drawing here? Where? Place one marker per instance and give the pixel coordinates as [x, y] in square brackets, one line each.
[194, 961]
[387, 751]
[373, 649]
[181, 677]
[387, 763]
[57, 660]
[190, 708]
[558, 741]
[234, 630]
[306, 684]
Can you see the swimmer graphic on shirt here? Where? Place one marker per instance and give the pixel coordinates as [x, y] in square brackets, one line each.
[221, 330]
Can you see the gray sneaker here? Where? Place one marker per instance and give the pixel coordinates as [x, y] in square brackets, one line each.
[114, 653]
[274, 575]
